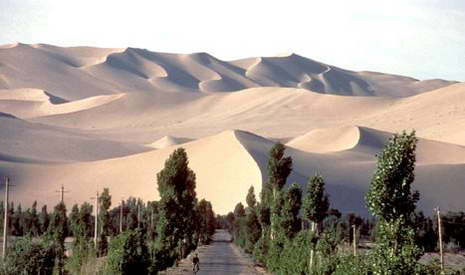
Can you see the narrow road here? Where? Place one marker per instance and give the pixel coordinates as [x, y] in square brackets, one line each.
[220, 257]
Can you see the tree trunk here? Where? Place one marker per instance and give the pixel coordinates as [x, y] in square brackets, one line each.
[312, 251]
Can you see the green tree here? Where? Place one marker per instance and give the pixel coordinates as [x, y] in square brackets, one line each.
[207, 223]
[392, 201]
[315, 207]
[81, 226]
[316, 202]
[59, 231]
[44, 220]
[34, 221]
[290, 222]
[176, 225]
[104, 201]
[30, 256]
[127, 254]
[279, 168]
[253, 226]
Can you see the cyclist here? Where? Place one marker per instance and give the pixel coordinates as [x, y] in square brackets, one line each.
[195, 263]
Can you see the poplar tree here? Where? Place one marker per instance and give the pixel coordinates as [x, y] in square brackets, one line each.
[392, 201]
[59, 231]
[316, 202]
[279, 168]
[44, 220]
[104, 201]
[253, 227]
[272, 200]
[315, 207]
[176, 224]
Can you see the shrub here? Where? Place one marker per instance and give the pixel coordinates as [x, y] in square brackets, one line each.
[127, 254]
[30, 256]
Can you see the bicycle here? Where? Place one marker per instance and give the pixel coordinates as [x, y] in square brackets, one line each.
[195, 263]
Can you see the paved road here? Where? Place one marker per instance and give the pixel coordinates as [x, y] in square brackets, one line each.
[220, 257]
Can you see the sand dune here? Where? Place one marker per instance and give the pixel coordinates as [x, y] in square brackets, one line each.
[168, 141]
[215, 161]
[90, 118]
[22, 141]
[79, 72]
[226, 165]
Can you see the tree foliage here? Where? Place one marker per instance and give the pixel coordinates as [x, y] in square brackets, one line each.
[176, 226]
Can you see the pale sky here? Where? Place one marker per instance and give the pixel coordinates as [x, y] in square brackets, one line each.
[419, 38]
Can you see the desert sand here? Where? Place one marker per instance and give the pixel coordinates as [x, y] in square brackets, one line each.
[90, 118]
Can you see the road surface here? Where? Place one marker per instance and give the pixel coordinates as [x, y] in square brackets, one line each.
[220, 257]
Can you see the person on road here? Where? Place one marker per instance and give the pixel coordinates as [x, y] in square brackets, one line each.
[195, 263]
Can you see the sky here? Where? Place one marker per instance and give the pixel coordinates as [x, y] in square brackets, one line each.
[420, 38]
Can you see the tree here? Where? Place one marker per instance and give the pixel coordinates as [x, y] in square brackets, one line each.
[30, 256]
[279, 168]
[290, 222]
[81, 226]
[176, 224]
[392, 201]
[253, 226]
[34, 221]
[239, 225]
[251, 199]
[59, 231]
[207, 223]
[316, 202]
[315, 207]
[104, 201]
[127, 254]
[271, 199]
[44, 220]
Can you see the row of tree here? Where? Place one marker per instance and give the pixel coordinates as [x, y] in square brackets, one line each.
[145, 238]
[293, 230]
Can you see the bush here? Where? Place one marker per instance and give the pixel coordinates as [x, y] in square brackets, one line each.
[83, 260]
[127, 254]
[30, 256]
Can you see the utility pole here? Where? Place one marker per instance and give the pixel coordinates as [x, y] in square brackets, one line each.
[96, 220]
[138, 215]
[62, 192]
[354, 238]
[441, 259]
[121, 217]
[5, 219]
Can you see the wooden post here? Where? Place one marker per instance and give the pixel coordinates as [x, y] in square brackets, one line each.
[5, 219]
[62, 192]
[96, 220]
[438, 213]
[121, 217]
[354, 238]
[138, 215]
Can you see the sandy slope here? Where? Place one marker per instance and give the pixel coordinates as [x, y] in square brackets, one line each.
[22, 141]
[227, 164]
[216, 161]
[89, 117]
[79, 72]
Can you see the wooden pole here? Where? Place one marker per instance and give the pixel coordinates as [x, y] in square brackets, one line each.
[5, 219]
[441, 259]
[96, 221]
[62, 192]
[121, 217]
[354, 238]
[138, 215]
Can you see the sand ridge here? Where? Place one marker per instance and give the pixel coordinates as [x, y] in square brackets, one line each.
[90, 118]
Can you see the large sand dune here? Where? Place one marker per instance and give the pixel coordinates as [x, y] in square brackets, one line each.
[76, 73]
[90, 118]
